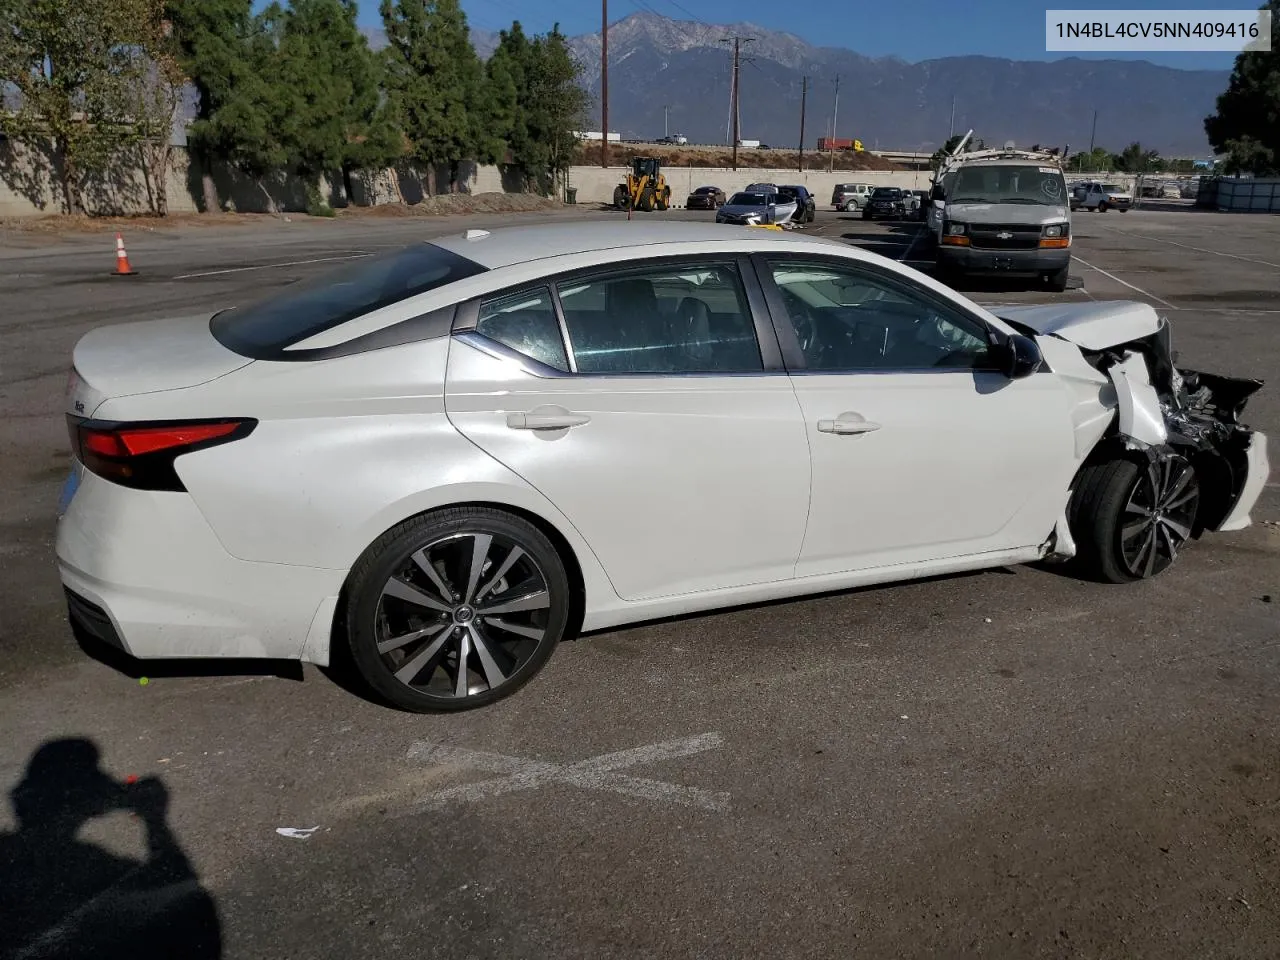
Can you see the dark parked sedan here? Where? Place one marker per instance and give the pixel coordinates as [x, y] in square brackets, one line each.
[705, 198]
[887, 202]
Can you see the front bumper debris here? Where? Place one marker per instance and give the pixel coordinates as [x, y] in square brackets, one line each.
[1166, 410]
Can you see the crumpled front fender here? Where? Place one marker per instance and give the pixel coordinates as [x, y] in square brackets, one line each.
[1140, 417]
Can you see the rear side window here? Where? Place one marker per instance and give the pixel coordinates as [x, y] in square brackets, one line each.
[526, 322]
[263, 329]
[678, 319]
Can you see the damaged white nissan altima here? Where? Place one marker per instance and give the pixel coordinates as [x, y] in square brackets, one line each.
[449, 456]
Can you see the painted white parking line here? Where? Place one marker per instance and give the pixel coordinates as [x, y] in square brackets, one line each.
[268, 266]
[597, 773]
[1126, 283]
[1187, 246]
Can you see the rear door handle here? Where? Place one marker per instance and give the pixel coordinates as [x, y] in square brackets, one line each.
[846, 424]
[546, 418]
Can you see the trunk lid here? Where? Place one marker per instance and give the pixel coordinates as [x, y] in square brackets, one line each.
[152, 356]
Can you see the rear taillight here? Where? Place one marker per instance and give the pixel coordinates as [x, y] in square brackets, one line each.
[142, 455]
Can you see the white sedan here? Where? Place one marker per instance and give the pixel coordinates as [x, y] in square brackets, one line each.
[452, 455]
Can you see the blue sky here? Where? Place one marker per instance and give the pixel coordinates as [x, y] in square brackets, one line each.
[914, 30]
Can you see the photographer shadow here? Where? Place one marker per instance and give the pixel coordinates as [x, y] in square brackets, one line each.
[64, 897]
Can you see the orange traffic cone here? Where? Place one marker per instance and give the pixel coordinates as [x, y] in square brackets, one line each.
[122, 260]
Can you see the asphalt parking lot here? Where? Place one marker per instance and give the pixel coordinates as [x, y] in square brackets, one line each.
[1007, 764]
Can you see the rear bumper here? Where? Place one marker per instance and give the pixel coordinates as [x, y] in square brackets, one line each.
[972, 260]
[145, 573]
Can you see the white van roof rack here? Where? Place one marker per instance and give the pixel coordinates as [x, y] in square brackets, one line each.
[1005, 153]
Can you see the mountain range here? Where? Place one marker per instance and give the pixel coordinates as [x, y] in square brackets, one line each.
[886, 102]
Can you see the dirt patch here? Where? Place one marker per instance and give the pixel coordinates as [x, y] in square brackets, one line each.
[61, 223]
[453, 204]
[621, 155]
[33, 228]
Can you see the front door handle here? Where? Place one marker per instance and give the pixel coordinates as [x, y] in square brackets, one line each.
[546, 418]
[846, 424]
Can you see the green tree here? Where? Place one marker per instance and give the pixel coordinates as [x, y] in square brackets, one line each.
[501, 127]
[1099, 160]
[334, 121]
[944, 151]
[433, 78]
[1246, 126]
[75, 65]
[558, 104]
[373, 138]
[159, 98]
[231, 57]
[1133, 159]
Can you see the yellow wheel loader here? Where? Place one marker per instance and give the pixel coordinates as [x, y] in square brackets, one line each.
[646, 188]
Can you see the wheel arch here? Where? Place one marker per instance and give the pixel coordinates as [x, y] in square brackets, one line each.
[1214, 473]
[563, 545]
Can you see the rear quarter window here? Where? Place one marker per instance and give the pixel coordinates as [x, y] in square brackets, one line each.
[263, 329]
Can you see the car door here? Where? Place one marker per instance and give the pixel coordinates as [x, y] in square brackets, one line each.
[643, 403]
[921, 450]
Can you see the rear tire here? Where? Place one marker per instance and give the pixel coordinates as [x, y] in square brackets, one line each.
[1129, 519]
[416, 582]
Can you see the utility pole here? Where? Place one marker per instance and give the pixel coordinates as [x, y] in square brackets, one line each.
[953, 117]
[835, 112]
[1093, 131]
[804, 94]
[735, 116]
[665, 108]
[604, 83]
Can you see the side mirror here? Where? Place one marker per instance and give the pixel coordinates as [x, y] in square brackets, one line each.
[1021, 357]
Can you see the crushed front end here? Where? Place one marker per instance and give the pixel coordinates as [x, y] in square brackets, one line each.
[1166, 411]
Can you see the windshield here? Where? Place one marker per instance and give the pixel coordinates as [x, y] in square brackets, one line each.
[886, 193]
[705, 190]
[1008, 184]
[748, 200]
[312, 306]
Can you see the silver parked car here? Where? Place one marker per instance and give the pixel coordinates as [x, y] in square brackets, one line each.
[757, 207]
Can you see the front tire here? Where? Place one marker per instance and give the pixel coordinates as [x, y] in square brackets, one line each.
[456, 609]
[1056, 280]
[851, 207]
[1130, 518]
